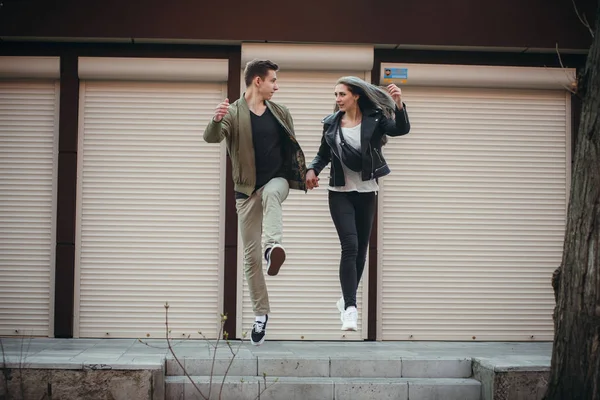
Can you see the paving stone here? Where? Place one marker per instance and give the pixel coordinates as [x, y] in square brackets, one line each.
[436, 368]
[181, 388]
[362, 389]
[203, 367]
[377, 368]
[293, 366]
[444, 389]
[292, 388]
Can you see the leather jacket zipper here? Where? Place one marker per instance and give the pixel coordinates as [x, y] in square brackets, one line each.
[333, 171]
[378, 156]
[372, 166]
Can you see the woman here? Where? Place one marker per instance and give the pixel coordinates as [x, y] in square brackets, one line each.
[352, 140]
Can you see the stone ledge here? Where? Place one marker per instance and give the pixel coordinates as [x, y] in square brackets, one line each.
[327, 388]
[369, 366]
[50, 365]
[512, 378]
[69, 384]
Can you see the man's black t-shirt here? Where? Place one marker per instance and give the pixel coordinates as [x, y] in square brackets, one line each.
[267, 138]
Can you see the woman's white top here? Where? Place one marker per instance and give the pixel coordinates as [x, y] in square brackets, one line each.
[354, 182]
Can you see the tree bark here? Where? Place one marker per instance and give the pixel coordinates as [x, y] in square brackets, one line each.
[575, 370]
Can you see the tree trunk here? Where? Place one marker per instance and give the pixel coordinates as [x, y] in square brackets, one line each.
[575, 371]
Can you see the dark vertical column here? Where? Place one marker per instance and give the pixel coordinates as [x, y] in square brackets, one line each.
[373, 267]
[66, 204]
[231, 231]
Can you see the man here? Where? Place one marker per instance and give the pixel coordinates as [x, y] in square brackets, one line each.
[266, 162]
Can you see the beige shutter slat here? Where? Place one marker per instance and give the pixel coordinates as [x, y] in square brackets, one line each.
[303, 295]
[473, 215]
[150, 211]
[28, 132]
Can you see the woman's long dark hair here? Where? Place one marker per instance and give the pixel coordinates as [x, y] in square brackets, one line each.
[370, 96]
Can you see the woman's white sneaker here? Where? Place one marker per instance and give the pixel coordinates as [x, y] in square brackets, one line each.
[350, 319]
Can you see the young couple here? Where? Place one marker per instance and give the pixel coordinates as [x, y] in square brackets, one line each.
[267, 161]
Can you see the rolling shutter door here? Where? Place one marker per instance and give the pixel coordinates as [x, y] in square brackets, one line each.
[28, 149]
[150, 215]
[472, 217]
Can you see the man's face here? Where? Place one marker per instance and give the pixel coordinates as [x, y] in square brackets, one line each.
[268, 86]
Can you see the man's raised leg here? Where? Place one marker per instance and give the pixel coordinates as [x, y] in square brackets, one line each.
[273, 195]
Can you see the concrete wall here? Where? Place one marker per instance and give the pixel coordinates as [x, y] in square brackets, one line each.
[25, 384]
[511, 383]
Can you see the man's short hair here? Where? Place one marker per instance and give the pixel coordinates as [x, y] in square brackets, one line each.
[259, 68]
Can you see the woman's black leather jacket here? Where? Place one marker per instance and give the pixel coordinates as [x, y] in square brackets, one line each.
[374, 126]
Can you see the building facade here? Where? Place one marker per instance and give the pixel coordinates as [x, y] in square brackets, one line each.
[112, 204]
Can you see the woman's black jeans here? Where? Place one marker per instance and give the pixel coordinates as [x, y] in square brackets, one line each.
[352, 214]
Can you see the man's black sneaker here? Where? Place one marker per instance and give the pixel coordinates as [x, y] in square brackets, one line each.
[259, 330]
[275, 257]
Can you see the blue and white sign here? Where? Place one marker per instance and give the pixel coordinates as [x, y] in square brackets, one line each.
[395, 73]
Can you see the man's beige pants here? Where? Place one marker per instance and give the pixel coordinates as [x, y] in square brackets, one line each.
[260, 212]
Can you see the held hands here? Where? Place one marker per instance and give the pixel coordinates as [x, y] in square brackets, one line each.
[312, 180]
[221, 110]
[396, 94]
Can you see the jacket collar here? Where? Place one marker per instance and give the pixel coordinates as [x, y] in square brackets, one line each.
[369, 112]
[331, 119]
[244, 104]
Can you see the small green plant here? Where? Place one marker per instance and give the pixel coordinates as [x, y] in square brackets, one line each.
[222, 336]
[8, 372]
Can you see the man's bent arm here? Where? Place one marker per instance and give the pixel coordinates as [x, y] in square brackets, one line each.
[215, 132]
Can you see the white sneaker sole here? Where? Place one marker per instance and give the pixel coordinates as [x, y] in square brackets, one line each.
[340, 306]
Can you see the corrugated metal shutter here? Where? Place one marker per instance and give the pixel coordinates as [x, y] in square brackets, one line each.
[150, 221]
[304, 293]
[473, 215]
[28, 146]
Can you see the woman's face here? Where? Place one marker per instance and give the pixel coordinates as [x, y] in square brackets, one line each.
[344, 98]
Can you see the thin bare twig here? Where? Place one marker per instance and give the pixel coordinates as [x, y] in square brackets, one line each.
[5, 372]
[22, 363]
[569, 78]
[267, 386]
[175, 356]
[212, 368]
[233, 355]
[207, 340]
[222, 335]
[559, 57]
[161, 347]
[583, 20]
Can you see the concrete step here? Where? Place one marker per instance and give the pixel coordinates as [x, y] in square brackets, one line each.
[309, 388]
[325, 367]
